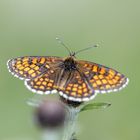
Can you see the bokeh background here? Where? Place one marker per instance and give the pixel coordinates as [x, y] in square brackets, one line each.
[29, 27]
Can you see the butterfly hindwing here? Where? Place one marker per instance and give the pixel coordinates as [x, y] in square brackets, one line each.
[70, 85]
[76, 88]
[44, 84]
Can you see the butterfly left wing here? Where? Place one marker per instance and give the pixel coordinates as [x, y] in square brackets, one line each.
[102, 79]
[29, 67]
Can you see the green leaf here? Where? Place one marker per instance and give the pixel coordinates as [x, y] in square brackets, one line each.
[95, 106]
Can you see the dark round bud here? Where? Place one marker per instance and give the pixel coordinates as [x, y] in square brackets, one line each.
[70, 103]
[50, 114]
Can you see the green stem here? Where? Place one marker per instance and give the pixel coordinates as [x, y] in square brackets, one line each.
[70, 127]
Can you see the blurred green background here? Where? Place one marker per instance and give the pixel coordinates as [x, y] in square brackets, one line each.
[29, 27]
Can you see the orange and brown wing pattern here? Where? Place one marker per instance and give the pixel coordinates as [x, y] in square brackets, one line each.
[77, 88]
[103, 79]
[44, 84]
[31, 66]
[70, 85]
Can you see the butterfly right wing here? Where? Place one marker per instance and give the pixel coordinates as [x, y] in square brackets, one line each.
[29, 67]
[77, 88]
[102, 78]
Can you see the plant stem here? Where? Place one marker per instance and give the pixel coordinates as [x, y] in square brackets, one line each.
[51, 134]
[70, 127]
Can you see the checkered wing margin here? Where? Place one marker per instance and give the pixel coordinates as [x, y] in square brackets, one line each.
[102, 79]
[32, 66]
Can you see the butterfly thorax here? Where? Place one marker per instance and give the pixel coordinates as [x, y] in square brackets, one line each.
[69, 64]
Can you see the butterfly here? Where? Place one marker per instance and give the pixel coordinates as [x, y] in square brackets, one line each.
[74, 80]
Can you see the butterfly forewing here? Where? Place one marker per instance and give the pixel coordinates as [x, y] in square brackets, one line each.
[102, 79]
[32, 66]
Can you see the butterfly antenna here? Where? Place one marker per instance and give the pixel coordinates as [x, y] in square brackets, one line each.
[86, 49]
[62, 43]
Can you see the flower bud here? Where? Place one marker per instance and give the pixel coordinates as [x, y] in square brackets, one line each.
[50, 114]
